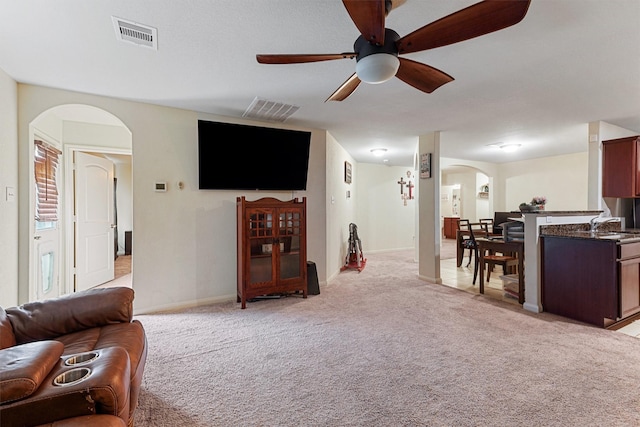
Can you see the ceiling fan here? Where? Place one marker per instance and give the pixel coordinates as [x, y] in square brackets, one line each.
[377, 49]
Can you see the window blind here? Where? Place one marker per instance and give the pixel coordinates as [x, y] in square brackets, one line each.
[46, 167]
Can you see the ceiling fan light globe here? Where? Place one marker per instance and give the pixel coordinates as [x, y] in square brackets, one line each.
[377, 68]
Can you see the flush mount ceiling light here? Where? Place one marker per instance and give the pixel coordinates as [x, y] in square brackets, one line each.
[379, 152]
[510, 148]
[507, 148]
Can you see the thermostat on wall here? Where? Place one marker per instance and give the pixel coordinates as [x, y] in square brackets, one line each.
[161, 186]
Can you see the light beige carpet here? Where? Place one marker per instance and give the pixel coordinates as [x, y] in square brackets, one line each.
[383, 348]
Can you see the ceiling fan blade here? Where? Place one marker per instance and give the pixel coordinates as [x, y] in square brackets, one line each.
[346, 89]
[368, 15]
[421, 76]
[296, 59]
[476, 20]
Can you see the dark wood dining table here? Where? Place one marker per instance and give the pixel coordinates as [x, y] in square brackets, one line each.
[500, 245]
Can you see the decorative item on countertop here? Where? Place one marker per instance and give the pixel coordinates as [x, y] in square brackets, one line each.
[536, 204]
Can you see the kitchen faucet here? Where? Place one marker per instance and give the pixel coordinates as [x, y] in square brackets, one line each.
[595, 224]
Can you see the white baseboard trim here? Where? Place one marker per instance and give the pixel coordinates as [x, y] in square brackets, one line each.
[184, 304]
[437, 281]
[532, 307]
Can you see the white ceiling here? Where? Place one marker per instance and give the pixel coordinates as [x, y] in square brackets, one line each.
[537, 83]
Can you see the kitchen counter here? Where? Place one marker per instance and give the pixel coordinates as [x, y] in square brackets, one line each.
[610, 231]
[563, 213]
[616, 236]
[591, 277]
[560, 221]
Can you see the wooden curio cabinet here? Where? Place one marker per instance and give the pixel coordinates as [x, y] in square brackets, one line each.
[621, 167]
[272, 247]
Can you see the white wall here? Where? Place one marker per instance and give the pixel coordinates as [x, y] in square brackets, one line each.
[185, 240]
[468, 193]
[483, 208]
[341, 211]
[562, 179]
[8, 182]
[447, 207]
[94, 134]
[384, 222]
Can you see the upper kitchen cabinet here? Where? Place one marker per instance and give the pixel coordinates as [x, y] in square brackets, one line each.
[621, 167]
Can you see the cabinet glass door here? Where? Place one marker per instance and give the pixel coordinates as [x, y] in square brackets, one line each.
[261, 237]
[289, 232]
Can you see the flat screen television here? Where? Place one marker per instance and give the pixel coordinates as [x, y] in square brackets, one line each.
[241, 157]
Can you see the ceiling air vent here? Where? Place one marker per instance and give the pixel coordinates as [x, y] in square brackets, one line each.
[262, 109]
[132, 32]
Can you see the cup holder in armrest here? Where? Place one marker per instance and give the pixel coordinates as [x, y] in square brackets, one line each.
[81, 358]
[72, 376]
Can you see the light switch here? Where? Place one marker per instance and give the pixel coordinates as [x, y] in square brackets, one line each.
[11, 194]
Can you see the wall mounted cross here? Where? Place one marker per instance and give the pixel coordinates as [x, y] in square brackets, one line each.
[402, 182]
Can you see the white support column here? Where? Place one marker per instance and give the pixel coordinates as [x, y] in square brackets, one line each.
[429, 235]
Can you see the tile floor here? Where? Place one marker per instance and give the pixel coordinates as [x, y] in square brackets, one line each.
[462, 278]
[632, 329]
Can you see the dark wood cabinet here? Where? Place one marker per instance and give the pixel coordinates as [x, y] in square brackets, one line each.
[451, 225]
[629, 278]
[579, 279]
[272, 247]
[621, 167]
[594, 281]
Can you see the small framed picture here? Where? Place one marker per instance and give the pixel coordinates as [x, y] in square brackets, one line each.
[347, 172]
[425, 165]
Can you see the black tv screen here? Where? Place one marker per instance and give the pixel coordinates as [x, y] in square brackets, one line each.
[240, 157]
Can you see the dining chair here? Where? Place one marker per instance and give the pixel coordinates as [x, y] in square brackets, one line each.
[488, 221]
[473, 230]
[464, 225]
[508, 261]
[511, 231]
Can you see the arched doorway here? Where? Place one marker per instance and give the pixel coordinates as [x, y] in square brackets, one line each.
[54, 246]
[465, 192]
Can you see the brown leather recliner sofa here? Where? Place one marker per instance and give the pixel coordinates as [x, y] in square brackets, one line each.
[71, 361]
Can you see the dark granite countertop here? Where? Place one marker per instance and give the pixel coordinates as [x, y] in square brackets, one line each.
[562, 213]
[610, 231]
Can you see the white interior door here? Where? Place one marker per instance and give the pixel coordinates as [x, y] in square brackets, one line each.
[94, 207]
